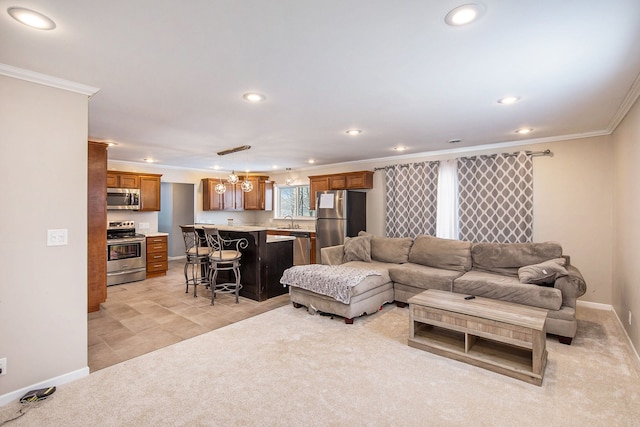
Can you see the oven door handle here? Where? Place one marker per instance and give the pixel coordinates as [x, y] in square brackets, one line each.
[119, 273]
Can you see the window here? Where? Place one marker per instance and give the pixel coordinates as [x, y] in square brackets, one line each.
[293, 200]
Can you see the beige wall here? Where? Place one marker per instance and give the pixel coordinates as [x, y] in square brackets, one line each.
[43, 290]
[626, 265]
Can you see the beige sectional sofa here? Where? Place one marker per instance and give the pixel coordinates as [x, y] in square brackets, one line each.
[533, 274]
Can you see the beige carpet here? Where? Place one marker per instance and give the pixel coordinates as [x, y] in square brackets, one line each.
[287, 367]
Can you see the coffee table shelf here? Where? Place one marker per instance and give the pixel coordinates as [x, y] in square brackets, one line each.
[503, 337]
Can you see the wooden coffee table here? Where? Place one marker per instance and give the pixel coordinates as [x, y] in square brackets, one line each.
[500, 336]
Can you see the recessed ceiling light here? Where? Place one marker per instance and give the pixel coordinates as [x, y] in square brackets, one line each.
[149, 160]
[112, 144]
[353, 132]
[31, 18]
[464, 14]
[523, 131]
[254, 97]
[311, 161]
[400, 148]
[508, 100]
[216, 167]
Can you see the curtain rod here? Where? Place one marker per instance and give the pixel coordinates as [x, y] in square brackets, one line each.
[546, 152]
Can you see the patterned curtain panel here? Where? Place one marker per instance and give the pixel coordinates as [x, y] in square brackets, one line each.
[496, 198]
[411, 199]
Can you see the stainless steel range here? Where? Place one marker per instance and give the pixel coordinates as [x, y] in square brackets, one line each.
[126, 253]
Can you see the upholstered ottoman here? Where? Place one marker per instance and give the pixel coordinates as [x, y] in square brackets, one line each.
[343, 291]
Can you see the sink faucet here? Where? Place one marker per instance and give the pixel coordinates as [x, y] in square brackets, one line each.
[289, 216]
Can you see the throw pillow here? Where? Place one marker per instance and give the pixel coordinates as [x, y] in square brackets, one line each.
[357, 249]
[544, 273]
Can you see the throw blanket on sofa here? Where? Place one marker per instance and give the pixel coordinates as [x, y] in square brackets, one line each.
[334, 281]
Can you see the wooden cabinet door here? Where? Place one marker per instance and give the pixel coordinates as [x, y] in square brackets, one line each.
[129, 181]
[359, 180]
[212, 201]
[149, 193]
[261, 197]
[252, 198]
[337, 182]
[122, 180]
[320, 183]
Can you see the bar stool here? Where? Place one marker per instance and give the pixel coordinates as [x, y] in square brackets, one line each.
[221, 259]
[197, 256]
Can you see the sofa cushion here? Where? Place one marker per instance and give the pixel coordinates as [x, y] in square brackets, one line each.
[357, 249]
[370, 282]
[422, 276]
[544, 273]
[505, 288]
[391, 249]
[506, 258]
[441, 253]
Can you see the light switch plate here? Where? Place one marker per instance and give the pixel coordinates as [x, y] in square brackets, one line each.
[58, 237]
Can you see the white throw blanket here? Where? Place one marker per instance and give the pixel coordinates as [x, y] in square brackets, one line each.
[334, 281]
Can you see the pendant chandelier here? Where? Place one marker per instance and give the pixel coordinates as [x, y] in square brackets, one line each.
[233, 178]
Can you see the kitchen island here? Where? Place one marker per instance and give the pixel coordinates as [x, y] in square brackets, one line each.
[263, 261]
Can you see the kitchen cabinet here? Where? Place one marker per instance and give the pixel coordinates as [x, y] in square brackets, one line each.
[157, 256]
[261, 197]
[123, 180]
[360, 180]
[96, 225]
[230, 200]
[150, 192]
[149, 185]
[234, 199]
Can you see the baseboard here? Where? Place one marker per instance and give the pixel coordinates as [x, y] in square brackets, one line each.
[627, 335]
[595, 305]
[173, 258]
[59, 380]
[609, 307]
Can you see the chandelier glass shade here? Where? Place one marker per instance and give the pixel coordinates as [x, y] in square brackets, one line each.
[232, 178]
[246, 185]
[220, 188]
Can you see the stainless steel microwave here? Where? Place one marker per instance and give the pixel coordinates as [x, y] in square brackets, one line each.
[123, 198]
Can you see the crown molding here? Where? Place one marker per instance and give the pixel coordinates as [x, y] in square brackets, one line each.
[627, 103]
[43, 79]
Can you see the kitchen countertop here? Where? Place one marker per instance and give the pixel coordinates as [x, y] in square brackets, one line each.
[233, 227]
[155, 234]
[251, 228]
[272, 239]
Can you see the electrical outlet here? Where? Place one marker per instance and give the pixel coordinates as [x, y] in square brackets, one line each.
[3, 366]
[629, 318]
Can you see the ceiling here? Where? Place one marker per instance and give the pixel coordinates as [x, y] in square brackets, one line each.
[171, 76]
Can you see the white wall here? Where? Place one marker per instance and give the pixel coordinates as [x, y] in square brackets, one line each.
[626, 288]
[43, 290]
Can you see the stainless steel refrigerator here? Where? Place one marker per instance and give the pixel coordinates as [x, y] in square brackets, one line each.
[339, 214]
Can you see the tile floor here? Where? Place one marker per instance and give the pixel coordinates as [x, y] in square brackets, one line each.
[144, 316]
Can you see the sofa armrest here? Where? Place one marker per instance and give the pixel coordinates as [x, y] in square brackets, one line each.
[332, 255]
[571, 286]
